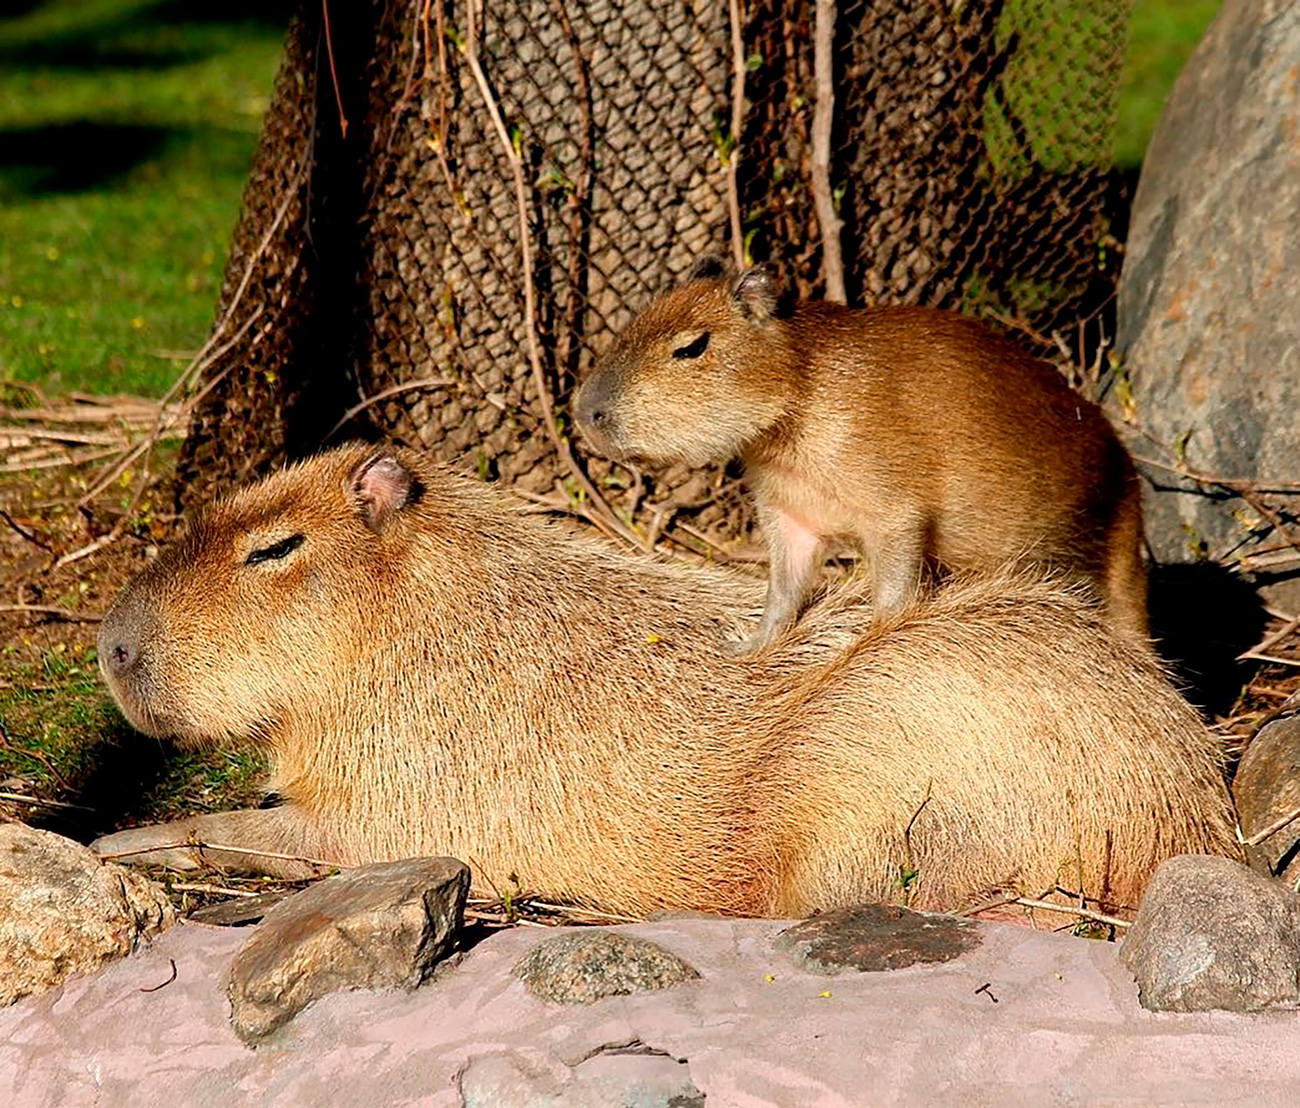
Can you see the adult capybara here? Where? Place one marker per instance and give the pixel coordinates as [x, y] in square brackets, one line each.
[433, 671]
[924, 437]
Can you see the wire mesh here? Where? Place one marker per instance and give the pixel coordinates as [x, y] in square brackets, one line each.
[379, 253]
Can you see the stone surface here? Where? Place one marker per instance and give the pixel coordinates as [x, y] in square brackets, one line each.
[1211, 933]
[586, 966]
[618, 1075]
[1209, 299]
[1267, 790]
[239, 911]
[385, 925]
[875, 937]
[1067, 1032]
[63, 911]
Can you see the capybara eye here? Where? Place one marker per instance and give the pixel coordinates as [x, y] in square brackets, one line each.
[276, 551]
[694, 348]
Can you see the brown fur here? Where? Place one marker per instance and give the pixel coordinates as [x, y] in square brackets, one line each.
[921, 435]
[435, 672]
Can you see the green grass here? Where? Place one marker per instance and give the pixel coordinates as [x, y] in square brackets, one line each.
[126, 131]
[1162, 35]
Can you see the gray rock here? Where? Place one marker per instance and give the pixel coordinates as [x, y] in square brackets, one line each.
[1210, 933]
[1267, 790]
[875, 937]
[378, 926]
[63, 911]
[590, 965]
[1209, 299]
[627, 1075]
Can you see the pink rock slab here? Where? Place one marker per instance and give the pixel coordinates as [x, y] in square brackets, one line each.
[1066, 1030]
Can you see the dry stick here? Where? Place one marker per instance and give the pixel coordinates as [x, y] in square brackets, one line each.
[1271, 659]
[146, 448]
[204, 887]
[25, 534]
[66, 459]
[34, 755]
[201, 362]
[737, 124]
[530, 306]
[823, 122]
[40, 802]
[334, 73]
[200, 845]
[385, 394]
[46, 610]
[1269, 831]
[1230, 483]
[1271, 639]
[1071, 910]
[579, 195]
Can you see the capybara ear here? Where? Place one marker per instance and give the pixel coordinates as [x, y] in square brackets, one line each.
[755, 293]
[382, 487]
[707, 267]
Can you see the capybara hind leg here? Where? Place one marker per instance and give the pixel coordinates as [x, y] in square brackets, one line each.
[188, 844]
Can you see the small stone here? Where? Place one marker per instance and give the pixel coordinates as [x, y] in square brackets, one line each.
[377, 926]
[586, 966]
[1211, 933]
[1267, 789]
[874, 937]
[63, 911]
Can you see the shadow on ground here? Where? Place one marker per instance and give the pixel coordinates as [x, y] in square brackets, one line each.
[1202, 617]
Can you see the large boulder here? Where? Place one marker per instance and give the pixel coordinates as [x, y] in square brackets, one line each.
[1212, 934]
[385, 925]
[63, 911]
[1209, 299]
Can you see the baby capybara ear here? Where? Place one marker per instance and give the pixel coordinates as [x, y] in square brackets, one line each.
[381, 487]
[755, 293]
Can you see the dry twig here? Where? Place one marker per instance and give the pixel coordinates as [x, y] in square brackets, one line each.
[737, 126]
[386, 394]
[58, 613]
[823, 124]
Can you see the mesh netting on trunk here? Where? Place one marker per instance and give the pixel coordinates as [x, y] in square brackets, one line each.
[970, 158]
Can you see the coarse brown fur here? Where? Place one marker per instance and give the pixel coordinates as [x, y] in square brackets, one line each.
[436, 672]
[921, 435]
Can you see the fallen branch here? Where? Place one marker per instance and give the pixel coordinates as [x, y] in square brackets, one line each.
[48, 610]
[823, 123]
[199, 845]
[386, 394]
[1271, 639]
[1269, 831]
[737, 125]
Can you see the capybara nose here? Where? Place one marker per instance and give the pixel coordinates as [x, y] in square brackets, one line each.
[119, 657]
[119, 640]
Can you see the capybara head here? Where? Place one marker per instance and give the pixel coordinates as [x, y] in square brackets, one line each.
[694, 377]
[252, 610]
